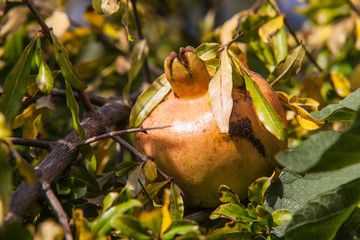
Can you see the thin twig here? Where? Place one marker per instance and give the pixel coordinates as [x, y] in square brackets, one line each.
[58, 209]
[354, 7]
[47, 145]
[292, 32]
[115, 133]
[138, 26]
[44, 27]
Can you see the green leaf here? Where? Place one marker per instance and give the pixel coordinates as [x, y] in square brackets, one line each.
[109, 200]
[266, 113]
[288, 67]
[138, 55]
[44, 79]
[257, 190]
[228, 196]
[220, 93]
[68, 71]
[125, 21]
[15, 230]
[268, 29]
[148, 100]
[13, 46]
[292, 190]
[152, 220]
[342, 111]
[280, 216]
[322, 151]
[102, 225]
[84, 176]
[177, 204]
[231, 211]
[208, 51]
[321, 217]
[72, 187]
[280, 46]
[124, 168]
[6, 183]
[15, 84]
[86, 151]
[180, 228]
[130, 226]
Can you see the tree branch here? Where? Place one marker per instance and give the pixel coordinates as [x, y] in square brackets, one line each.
[63, 154]
[58, 209]
[32, 143]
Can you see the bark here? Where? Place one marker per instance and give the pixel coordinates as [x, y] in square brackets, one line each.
[63, 154]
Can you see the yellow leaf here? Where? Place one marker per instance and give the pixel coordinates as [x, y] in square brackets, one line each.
[82, 232]
[357, 33]
[150, 170]
[341, 84]
[49, 229]
[267, 30]
[21, 119]
[26, 170]
[220, 93]
[302, 116]
[166, 218]
[94, 19]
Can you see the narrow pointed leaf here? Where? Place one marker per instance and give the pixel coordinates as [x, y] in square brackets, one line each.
[321, 217]
[303, 117]
[266, 113]
[165, 213]
[177, 204]
[148, 100]
[44, 79]
[125, 21]
[208, 51]
[220, 93]
[288, 67]
[68, 71]
[86, 150]
[15, 84]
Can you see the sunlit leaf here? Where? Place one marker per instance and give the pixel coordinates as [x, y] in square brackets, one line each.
[82, 231]
[288, 67]
[208, 51]
[269, 28]
[231, 211]
[49, 229]
[151, 192]
[280, 216]
[15, 84]
[321, 217]
[180, 228]
[227, 195]
[257, 190]
[152, 220]
[138, 55]
[150, 170]
[130, 226]
[148, 100]
[102, 224]
[280, 45]
[303, 117]
[109, 200]
[44, 79]
[220, 93]
[266, 113]
[165, 213]
[176, 203]
[341, 84]
[67, 69]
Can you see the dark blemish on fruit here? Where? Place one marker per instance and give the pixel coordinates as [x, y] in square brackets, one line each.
[176, 95]
[242, 128]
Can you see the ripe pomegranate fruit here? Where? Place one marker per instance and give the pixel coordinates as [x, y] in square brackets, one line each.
[193, 150]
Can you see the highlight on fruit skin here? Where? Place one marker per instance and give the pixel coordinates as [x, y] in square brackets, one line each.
[194, 151]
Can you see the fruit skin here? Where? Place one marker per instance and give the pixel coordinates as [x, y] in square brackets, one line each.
[193, 151]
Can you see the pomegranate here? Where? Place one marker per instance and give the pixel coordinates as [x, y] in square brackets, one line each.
[193, 150]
